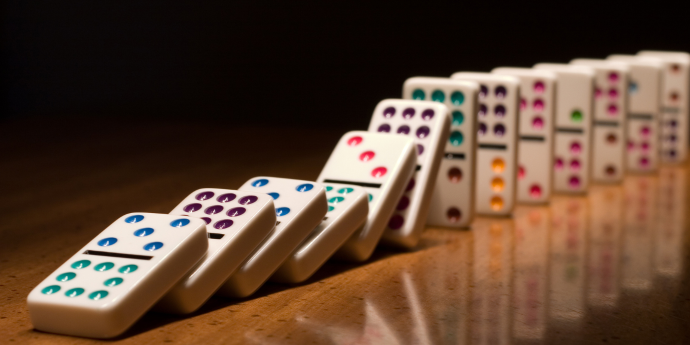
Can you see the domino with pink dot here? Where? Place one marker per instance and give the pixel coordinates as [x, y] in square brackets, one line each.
[452, 200]
[497, 145]
[300, 206]
[643, 112]
[675, 95]
[609, 122]
[572, 126]
[237, 222]
[380, 163]
[535, 157]
[428, 123]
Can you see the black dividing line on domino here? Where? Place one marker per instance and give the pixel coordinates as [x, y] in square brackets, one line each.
[418, 168]
[449, 155]
[640, 116]
[215, 236]
[670, 110]
[531, 138]
[606, 123]
[361, 184]
[493, 146]
[570, 130]
[118, 255]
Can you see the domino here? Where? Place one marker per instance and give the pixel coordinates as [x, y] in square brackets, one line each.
[380, 163]
[452, 199]
[348, 208]
[643, 112]
[535, 127]
[572, 126]
[300, 206]
[113, 280]
[428, 123]
[609, 122]
[674, 103]
[237, 223]
[496, 157]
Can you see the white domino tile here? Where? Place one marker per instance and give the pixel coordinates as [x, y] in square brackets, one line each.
[428, 123]
[237, 222]
[497, 145]
[572, 126]
[644, 91]
[381, 163]
[300, 206]
[675, 95]
[348, 208]
[535, 127]
[113, 280]
[452, 200]
[609, 124]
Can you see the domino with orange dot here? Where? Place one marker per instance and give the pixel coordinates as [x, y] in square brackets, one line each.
[572, 126]
[428, 123]
[535, 157]
[643, 112]
[452, 200]
[609, 121]
[675, 95]
[497, 146]
[381, 163]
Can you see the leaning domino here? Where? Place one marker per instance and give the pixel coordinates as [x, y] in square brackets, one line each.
[429, 124]
[113, 280]
[381, 163]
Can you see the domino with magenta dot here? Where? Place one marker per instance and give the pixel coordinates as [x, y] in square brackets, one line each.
[300, 206]
[348, 208]
[643, 115]
[572, 126]
[535, 129]
[237, 222]
[428, 123]
[380, 163]
[113, 280]
[675, 98]
[609, 122]
[452, 200]
[497, 144]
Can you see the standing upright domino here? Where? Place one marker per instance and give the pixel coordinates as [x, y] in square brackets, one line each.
[572, 126]
[113, 280]
[300, 207]
[675, 95]
[535, 157]
[452, 200]
[609, 122]
[429, 124]
[381, 163]
[237, 223]
[348, 208]
[643, 112]
[496, 166]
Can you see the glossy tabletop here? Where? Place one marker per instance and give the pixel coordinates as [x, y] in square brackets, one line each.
[606, 267]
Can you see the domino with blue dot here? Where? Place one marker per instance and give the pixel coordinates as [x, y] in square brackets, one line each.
[237, 222]
[113, 280]
[348, 208]
[300, 207]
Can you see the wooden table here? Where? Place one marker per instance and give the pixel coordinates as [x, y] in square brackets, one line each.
[609, 267]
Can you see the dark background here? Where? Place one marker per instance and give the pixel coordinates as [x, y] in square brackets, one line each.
[309, 64]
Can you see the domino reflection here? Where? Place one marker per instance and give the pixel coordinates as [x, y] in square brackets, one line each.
[530, 273]
[668, 258]
[641, 201]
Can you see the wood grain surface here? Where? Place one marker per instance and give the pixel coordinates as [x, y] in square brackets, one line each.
[608, 267]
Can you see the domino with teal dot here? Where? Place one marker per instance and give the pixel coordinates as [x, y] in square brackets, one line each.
[348, 208]
[300, 206]
[112, 281]
[452, 199]
[237, 223]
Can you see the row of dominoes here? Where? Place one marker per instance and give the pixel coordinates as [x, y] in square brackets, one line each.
[426, 159]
